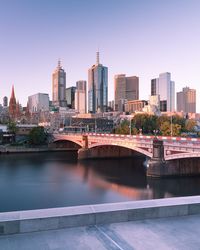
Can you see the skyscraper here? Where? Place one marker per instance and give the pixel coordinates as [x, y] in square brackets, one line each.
[186, 100]
[125, 88]
[165, 88]
[5, 101]
[59, 86]
[97, 88]
[70, 97]
[81, 97]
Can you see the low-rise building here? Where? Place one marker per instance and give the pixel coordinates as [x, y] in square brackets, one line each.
[135, 105]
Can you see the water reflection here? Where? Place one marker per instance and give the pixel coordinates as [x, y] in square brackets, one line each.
[33, 181]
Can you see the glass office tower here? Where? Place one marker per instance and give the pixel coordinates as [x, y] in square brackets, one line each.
[97, 88]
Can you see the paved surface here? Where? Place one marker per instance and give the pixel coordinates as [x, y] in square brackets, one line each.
[169, 233]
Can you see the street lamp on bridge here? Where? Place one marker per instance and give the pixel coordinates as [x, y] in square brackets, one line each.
[171, 127]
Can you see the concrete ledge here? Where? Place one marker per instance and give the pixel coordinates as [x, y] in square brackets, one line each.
[57, 218]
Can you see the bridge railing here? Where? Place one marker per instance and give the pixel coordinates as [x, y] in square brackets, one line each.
[146, 137]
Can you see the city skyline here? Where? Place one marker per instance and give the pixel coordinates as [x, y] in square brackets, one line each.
[157, 37]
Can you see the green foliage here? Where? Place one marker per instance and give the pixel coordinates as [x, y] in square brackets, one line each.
[123, 128]
[37, 136]
[12, 127]
[165, 128]
[190, 125]
[150, 123]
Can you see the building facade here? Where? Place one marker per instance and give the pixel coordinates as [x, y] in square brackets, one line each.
[81, 97]
[125, 88]
[165, 88]
[70, 97]
[5, 101]
[186, 100]
[97, 88]
[59, 86]
[38, 103]
[135, 105]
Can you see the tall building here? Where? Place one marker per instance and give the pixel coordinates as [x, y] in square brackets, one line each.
[70, 97]
[5, 101]
[13, 105]
[165, 88]
[38, 103]
[97, 88]
[59, 86]
[81, 97]
[125, 88]
[186, 100]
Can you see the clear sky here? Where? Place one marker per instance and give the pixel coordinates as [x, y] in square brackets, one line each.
[135, 37]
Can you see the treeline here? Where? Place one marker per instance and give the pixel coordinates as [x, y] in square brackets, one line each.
[151, 124]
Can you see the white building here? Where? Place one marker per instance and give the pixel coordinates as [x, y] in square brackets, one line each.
[81, 97]
[164, 87]
[38, 103]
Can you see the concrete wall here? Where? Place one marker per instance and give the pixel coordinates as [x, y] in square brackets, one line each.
[57, 218]
[178, 167]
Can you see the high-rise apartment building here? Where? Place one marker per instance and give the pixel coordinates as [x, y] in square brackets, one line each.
[70, 97]
[5, 101]
[81, 97]
[186, 100]
[125, 88]
[97, 88]
[38, 103]
[59, 86]
[165, 88]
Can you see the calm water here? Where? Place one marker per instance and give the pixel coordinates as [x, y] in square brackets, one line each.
[34, 181]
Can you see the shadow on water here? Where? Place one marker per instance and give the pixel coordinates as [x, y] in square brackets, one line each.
[174, 187]
[126, 171]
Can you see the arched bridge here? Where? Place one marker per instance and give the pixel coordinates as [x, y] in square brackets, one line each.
[173, 147]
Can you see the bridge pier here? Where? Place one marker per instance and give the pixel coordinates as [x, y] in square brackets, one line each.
[157, 166]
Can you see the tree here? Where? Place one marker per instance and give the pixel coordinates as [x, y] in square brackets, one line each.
[165, 128]
[123, 128]
[37, 136]
[148, 123]
[12, 127]
[190, 125]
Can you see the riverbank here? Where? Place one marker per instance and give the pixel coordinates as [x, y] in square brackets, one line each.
[90, 215]
[22, 149]
[166, 233]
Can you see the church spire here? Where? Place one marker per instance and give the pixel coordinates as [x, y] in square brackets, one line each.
[12, 105]
[13, 93]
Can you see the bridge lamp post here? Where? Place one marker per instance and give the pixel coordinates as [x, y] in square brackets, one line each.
[95, 125]
[171, 126]
[130, 127]
[155, 132]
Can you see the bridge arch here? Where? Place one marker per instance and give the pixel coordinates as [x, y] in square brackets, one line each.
[182, 156]
[138, 150]
[76, 143]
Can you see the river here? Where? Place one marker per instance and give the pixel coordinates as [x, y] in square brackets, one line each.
[45, 180]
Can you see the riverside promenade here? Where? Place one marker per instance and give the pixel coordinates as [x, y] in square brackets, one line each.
[171, 223]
